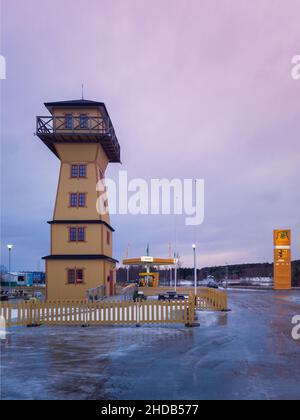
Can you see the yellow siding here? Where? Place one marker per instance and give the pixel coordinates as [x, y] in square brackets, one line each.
[93, 240]
[95, 274]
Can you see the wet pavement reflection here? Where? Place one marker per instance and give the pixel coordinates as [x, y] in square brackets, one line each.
[245, 354]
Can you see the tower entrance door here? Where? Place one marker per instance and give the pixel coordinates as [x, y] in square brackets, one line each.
[111, 283]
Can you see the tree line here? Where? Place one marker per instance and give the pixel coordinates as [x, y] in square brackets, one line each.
[236, 271]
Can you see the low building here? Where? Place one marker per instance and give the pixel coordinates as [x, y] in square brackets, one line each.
[23, 278]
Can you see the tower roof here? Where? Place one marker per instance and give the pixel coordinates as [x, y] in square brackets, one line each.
[76, 103]
[99, 129]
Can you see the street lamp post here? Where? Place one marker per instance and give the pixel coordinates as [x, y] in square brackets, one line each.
[9, 247]
[195, 269]
[175, 275]
[226, 276]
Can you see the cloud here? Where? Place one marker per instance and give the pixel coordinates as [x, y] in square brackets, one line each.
[195, 89]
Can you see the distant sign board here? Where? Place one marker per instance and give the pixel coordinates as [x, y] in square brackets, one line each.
[282, 260]
[282, 237]
[147, 259]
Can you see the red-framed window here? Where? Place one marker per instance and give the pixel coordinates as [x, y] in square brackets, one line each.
[83, 121]
[81, 234]
[78, 170]
[69, 122]
[79, 275]
[74, 171]
[77, 199]
[77, 234]
[71, 276]
[73, 200]
[81, 199]
[75, 275]
[82, 171]
[73, 234]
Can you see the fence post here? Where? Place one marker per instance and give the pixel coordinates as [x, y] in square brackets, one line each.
[138, 312]
[29, 314]
[85, 312]
[191, 321]
[33, 314]
[192, 307]
[225, 303]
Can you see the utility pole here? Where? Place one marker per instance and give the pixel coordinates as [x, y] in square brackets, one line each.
[195, 270]
[170, 253]
[175, 274]
[128, 267]
[9, 247]
[226, 276]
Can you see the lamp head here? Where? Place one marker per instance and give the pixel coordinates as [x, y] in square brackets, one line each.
[194, 246]
[9, 247]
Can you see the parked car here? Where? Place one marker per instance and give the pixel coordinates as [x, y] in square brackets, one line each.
[38, 295]
[138, 296]
[213, 285]
[170, 296]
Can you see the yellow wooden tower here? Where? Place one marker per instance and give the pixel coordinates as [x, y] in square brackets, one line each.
[80, 133]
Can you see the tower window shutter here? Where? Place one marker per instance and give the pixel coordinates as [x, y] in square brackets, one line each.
[71, 276]
[79, 276]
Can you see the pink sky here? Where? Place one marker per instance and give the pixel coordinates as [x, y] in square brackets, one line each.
[198, 88]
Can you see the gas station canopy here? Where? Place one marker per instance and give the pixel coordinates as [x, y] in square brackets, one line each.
[149, 261]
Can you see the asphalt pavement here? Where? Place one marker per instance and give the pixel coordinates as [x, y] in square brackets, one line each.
[248, 353]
